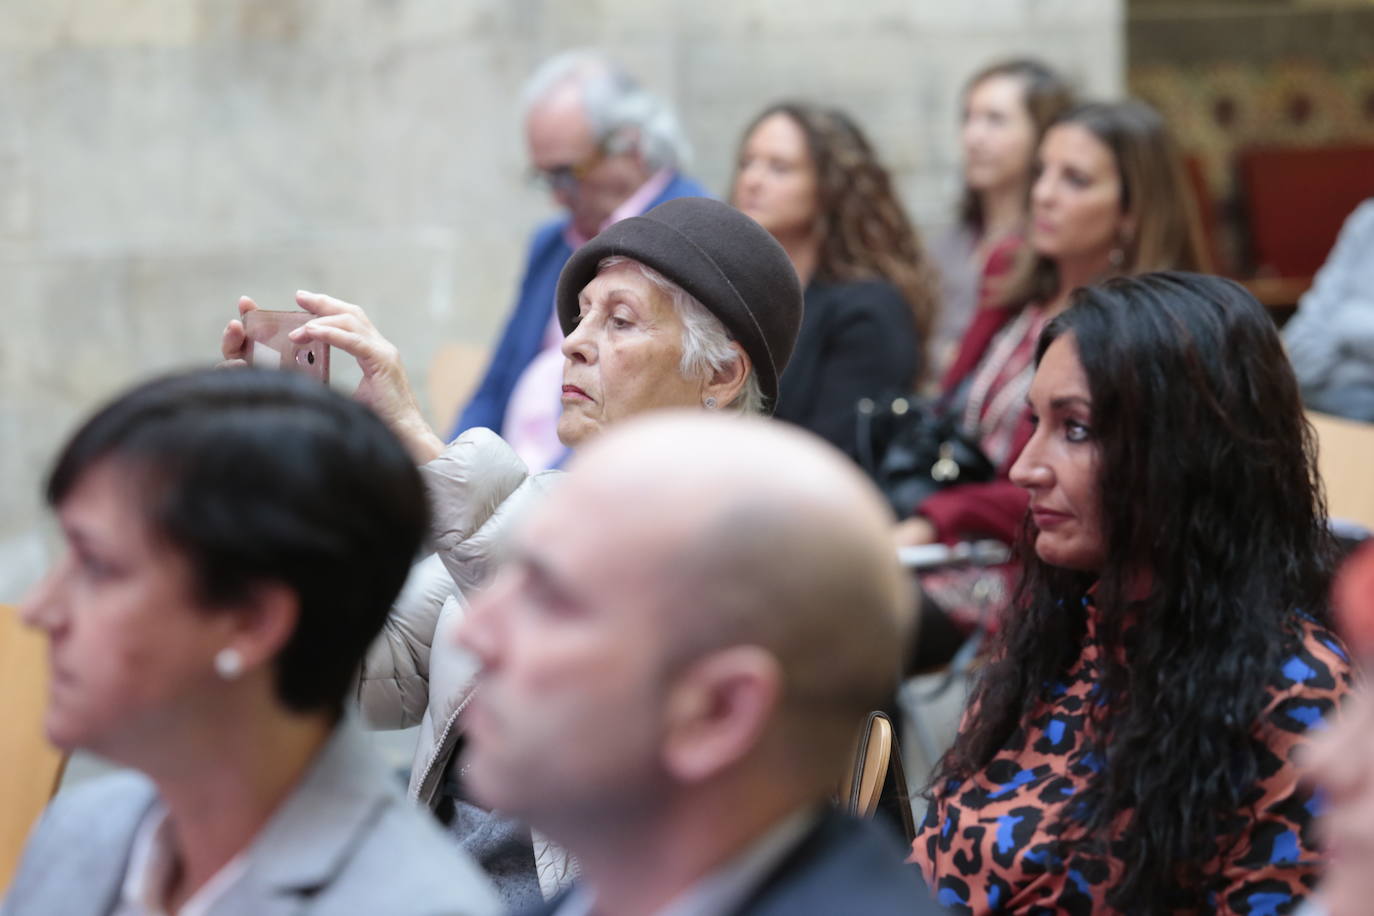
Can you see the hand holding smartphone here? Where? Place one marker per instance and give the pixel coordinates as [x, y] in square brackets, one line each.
[269, 347]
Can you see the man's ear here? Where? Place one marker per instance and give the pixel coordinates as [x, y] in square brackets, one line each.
[719, 710]
[263, 623]
[727, 382]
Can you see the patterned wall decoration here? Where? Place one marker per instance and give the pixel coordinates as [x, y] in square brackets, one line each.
[1234, 76]
[1217, 109]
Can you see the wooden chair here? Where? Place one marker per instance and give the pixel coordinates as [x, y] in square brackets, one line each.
[1297, 199]
[1345, 449]
[875, 777]
[30, 768]
[453, 374]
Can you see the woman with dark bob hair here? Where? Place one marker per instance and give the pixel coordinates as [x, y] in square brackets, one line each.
[1131, 746]
[235, 540]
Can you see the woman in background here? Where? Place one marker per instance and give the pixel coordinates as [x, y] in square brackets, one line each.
[1133, 745]
[1006, 109]
[1110, 199]
[809, 176]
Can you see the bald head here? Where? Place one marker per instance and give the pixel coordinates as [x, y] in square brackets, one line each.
[775, 539]
[703, 608]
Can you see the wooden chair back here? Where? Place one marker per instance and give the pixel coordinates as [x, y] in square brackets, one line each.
[875, 777]
[1297, 199]
[30, 768]
[1345, 449]
[868, 771]
[453, 375]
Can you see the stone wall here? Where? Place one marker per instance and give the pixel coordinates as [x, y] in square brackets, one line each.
[160, 157]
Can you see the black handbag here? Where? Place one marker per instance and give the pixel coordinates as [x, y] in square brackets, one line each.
[912, 449]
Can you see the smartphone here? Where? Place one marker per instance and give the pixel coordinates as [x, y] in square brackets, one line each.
[270, 348]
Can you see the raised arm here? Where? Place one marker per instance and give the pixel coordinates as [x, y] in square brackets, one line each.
[384, 387]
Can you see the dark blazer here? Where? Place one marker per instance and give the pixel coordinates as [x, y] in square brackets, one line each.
[842, 866]
[857, 340]
[524, 331]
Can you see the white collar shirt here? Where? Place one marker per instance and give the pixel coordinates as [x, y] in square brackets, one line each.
[151, 863]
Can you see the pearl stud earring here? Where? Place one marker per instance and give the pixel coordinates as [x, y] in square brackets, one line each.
[228, 663]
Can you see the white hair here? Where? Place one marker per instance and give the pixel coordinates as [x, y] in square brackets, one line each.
[706, 344]
[613, 101]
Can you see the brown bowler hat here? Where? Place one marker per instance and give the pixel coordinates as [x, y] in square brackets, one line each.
[722, 258]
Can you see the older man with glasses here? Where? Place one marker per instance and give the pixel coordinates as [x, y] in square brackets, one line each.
[605, 149]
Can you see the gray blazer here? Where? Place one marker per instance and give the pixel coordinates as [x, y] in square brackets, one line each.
[345, 842]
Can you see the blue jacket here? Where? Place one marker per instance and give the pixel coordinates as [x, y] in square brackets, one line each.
[524, 331]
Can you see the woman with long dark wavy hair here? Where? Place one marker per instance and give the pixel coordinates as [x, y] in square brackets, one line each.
[1110, 199]
[810, 177]
[1131, 745]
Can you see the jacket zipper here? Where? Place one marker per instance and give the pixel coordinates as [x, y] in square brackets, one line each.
[427, 793]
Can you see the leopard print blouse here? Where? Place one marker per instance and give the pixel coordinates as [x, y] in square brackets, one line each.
[996, 843]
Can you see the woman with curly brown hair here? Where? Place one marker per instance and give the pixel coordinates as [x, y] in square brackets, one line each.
[809, 176]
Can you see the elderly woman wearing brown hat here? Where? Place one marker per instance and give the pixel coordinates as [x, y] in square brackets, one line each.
[692, 304]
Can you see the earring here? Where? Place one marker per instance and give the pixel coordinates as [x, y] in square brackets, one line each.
[710, 403]
[228, 663]
[1117, 256]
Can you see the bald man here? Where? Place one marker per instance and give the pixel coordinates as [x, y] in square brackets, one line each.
[677, 659]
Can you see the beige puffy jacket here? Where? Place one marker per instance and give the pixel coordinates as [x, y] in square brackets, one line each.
[414, 673]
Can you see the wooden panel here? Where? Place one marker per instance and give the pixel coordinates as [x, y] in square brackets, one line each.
[453, 376]
[29, 767]
[1345, 454]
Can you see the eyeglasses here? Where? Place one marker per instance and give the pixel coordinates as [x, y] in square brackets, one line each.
[567, 178]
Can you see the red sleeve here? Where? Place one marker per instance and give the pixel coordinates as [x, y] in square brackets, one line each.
[977, 510]
[982, 510]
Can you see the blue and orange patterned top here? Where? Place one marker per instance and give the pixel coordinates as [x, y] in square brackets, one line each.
[999, 842]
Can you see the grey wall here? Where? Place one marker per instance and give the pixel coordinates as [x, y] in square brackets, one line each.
[160, 157]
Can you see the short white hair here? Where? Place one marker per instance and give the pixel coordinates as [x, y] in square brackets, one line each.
[706, 344]
[613, 101]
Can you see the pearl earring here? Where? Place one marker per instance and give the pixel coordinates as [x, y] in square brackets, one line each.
[228, 663]
[710, 403]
